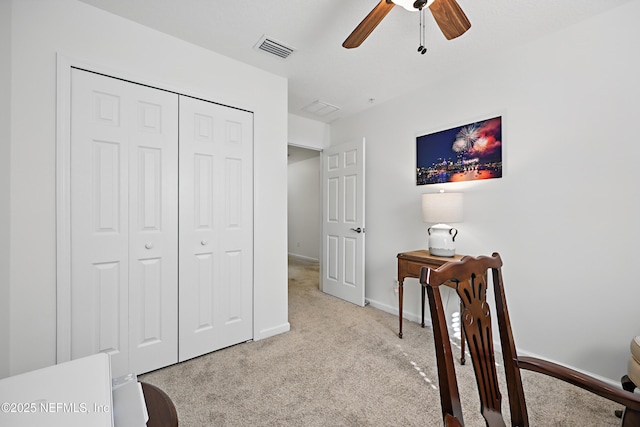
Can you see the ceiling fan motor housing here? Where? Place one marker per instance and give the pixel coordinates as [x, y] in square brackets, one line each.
[419, 4]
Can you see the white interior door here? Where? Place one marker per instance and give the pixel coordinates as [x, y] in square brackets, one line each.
[123, 222]
[343, 227]
[216, 227]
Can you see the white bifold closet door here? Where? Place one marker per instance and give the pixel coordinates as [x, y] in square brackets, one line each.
[216, 227]
[124, 222]
[161, 206]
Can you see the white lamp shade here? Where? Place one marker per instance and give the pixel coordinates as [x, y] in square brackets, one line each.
[442, 207]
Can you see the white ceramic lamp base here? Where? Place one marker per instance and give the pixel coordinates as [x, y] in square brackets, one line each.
[442, 240]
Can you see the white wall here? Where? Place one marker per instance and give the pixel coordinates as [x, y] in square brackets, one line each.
[304, 209]
[42, 28]
[5, 225]
[308, 133]
[565, 214]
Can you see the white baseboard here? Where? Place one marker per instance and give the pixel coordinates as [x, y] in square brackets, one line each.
[427, 321]
[302, 257]
[276, 330]
[609, 381]
[394, 310]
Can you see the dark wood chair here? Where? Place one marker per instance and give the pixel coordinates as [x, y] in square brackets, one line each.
[162, 412]
[470, 278]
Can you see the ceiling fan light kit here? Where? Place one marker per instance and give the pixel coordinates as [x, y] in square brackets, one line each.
[413, 6]
[407, 4]
[449, 16]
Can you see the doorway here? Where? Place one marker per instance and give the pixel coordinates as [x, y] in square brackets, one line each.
[304, 204]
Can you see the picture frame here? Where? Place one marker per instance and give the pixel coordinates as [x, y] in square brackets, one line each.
[463, 153]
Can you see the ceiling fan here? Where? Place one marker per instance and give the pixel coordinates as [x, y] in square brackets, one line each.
[447, 13]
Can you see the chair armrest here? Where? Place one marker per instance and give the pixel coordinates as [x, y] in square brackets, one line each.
[581, 380]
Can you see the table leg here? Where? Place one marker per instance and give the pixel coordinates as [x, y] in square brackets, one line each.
[400, 291]
[462, 355]
[423, 292]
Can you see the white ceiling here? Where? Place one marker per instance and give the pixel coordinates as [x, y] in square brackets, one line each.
[385, 66]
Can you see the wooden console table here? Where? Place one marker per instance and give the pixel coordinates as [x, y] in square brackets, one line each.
[409, 265]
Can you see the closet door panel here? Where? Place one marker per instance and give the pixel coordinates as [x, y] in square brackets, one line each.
[153, 229]
[216, 227]
[237, 232]
[123, 223]
[99, 219]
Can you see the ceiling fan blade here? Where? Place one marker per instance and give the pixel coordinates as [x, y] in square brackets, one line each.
[450, 18]
[368, 24]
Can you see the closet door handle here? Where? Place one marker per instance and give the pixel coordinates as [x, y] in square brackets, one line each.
[203, 243]
[148, 245]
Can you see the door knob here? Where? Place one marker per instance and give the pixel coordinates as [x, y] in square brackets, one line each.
[203, 242]
[357, 230]
[148, 246]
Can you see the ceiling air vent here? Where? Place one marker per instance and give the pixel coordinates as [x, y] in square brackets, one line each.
[274, 47]
[320, 108]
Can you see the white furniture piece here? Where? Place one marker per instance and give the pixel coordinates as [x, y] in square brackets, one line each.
[129, 406]
[81, 393]
[76, 393]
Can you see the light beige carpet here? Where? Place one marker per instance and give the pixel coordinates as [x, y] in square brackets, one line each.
[343, 365]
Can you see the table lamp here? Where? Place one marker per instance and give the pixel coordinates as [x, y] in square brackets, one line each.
[442, 208]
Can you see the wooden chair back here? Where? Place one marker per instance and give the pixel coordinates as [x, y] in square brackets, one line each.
[470, 278]
[469, 275]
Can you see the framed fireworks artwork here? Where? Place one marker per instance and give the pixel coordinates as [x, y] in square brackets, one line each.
[464, 153]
